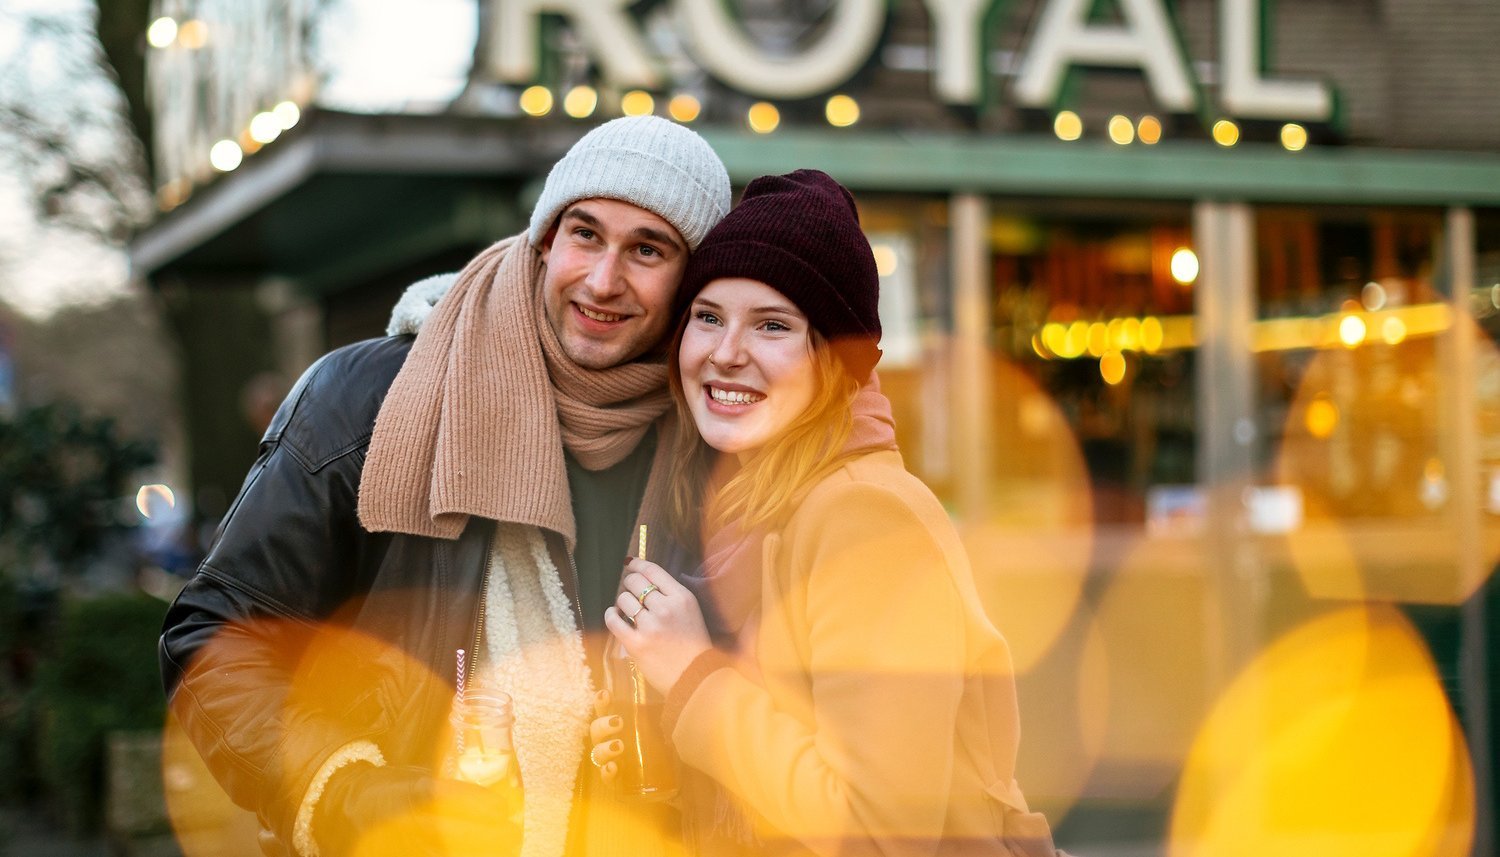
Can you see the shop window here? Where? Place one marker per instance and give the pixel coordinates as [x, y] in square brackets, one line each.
[1095, 310]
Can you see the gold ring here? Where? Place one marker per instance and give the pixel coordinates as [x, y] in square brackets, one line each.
[650, 588]
[631, 617]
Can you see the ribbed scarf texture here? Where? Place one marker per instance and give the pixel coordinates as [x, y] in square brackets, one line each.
[478, 417]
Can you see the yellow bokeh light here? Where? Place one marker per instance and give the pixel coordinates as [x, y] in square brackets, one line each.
[1121, 129]
[1184, 265]
[1055, 337]
[581, 101]
[287, 113]
[1226, 133]
[265, 127]
[1077, 340]
[1299, 755]
[1030, 550]
[1321, 418]
[225, 155]
[841, 111]
[684, 107]
[1293, 137]
[1038, 348]
[152, 500]
[763, 117]
[1130, 334]
[886, 260]
[1112, 368]
[536, 101]
[1151, 334]
[637, 102]
[1067, 126]
[1352, 330]
[192, 34]
[162, 32]
[1393, 330]
[1098, 339]
[1149, 130]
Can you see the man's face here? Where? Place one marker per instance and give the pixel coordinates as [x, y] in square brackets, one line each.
[612, 271]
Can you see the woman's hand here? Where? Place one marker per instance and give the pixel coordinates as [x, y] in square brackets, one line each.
[602, 735]
[667, 631]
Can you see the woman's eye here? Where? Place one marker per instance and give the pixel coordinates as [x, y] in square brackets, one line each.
[776, 327]
[706, 317]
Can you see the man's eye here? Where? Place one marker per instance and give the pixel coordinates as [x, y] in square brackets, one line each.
[648, 250]
[587, 234]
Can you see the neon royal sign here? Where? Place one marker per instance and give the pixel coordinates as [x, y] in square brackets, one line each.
[1065, 36]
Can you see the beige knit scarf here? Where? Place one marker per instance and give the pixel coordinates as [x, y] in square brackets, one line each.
[478, 417]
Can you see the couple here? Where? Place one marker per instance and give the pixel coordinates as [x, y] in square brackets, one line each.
[831, 683]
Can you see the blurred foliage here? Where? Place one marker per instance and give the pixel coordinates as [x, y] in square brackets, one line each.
[62, 477]
[99, 675]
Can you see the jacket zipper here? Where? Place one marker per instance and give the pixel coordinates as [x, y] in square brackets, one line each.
[472, 667]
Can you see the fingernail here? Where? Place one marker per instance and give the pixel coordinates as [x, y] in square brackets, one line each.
[615, 746]
[628, 559]
[615, 722]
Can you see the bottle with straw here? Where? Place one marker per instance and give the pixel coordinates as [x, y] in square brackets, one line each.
[483, 751]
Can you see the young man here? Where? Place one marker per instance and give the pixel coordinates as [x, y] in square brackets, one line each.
[473, 489]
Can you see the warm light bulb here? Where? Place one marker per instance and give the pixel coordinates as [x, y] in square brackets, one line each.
[1112, 367]
[1121, 130]
[1184, 265]
[287, 113]
[1352, 330]
[637, 102]
[226, 155]
[265, 127]
[580, 102]
[1067, 126]
[684, 107]
[764, 117]
[841, 111]
[535, 101]
[1226, 133]
[1293, 137]
[885, 259]
[1149, 130]
[162, 32]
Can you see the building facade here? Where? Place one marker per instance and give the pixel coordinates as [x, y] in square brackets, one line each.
[1191, 316]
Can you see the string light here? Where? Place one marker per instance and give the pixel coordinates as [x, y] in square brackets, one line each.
[162, 32]
[226, 155]
[1121, 130]
[684, 107]
[764, 117]
[1293, 137]
[1226, 133]
[1067, 126]
[287, 113]
[535, 101]
[580, 102]
[1149, 130]
[637, 102]
[841, 111]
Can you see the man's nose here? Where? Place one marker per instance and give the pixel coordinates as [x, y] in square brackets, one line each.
[606, 277]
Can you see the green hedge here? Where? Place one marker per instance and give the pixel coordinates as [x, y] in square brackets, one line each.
[99, 675]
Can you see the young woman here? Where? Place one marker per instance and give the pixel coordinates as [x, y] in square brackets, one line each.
[832, 684]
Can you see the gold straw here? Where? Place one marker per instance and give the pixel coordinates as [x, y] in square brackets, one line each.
[640, 551]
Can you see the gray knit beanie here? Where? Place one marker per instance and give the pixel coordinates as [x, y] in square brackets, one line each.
[646, 161]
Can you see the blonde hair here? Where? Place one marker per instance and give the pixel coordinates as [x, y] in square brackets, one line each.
[762, 492]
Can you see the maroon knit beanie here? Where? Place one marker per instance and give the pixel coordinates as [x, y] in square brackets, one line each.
[799, 234]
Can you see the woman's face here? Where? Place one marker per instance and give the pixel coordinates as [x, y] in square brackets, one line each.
[746, 363]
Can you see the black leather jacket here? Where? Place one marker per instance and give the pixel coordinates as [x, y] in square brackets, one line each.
[301, 631]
